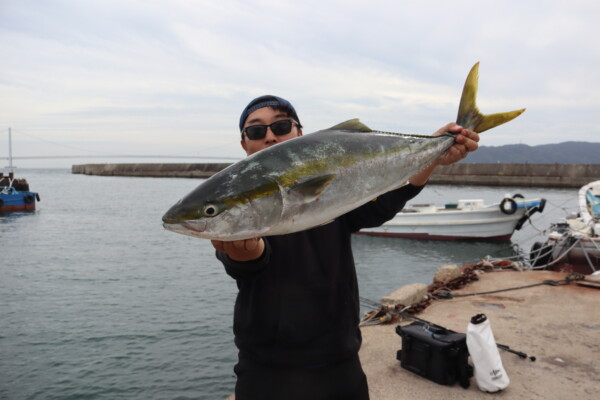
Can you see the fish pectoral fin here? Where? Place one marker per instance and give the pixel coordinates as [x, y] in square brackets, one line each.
[310, 189]
[351, 125]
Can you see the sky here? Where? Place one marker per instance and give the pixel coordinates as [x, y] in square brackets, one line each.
[147, 77]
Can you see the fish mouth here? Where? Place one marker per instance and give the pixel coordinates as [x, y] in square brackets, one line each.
[193, 227]
[185, 228]
[170, 220]
[172, 223]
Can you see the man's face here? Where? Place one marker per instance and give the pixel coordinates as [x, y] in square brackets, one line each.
[266, 116]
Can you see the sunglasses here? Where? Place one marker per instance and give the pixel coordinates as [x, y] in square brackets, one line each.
[279, 128]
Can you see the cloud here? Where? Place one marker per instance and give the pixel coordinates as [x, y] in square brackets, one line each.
[137, 73]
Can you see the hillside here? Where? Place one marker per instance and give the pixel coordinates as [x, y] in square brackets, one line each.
[560, 153]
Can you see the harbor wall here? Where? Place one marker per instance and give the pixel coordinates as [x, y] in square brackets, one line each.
[166, 170]
[542, 175]
[527, 175]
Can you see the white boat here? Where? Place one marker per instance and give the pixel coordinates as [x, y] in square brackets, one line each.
[573, 243]
[467, 219]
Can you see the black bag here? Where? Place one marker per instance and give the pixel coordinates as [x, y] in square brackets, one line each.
[434, 352]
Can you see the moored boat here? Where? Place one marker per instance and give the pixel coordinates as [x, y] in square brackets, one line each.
[467, 219]
[12, 199]
[573, 243]
[14, 193]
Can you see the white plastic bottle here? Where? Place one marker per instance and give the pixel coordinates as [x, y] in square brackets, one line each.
[488, 370]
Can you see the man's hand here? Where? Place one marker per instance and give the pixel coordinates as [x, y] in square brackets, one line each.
[464, 143]
[241, 250]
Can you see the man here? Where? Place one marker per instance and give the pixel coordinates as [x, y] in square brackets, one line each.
[297, 311]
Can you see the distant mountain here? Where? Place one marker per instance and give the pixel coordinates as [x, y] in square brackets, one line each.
[560, 153]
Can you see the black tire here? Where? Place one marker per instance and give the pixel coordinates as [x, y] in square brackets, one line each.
[508, 206]
[28, 199]
[518, 196]
[540, 254]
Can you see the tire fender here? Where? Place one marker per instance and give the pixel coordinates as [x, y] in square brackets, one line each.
[508, 206]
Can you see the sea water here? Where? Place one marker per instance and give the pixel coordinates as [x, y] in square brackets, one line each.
[98, 301]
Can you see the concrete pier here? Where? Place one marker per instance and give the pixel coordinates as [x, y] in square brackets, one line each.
[558, 325]
[528, 175]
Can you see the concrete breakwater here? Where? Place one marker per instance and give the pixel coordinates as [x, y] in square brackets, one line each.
[541, 175]
[527, 175]
[167, 170]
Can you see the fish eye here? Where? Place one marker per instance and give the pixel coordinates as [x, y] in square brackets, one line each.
[210, 210]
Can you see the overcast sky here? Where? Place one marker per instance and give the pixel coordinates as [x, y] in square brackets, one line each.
[171, 77]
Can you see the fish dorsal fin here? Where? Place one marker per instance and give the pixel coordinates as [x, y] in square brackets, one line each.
[352, 125]
[308, 190]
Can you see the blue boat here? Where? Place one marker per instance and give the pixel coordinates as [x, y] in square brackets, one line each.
[12, 199]
[14, 193]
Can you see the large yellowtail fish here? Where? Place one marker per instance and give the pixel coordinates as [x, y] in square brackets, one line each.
[310, 180]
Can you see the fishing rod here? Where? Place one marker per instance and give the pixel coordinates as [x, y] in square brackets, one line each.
[519, 353]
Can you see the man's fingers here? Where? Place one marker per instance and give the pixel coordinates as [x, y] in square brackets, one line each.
[218, 245]
[236, 245]
[251, 244]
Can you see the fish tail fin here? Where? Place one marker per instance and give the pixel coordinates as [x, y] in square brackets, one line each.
[470, 117]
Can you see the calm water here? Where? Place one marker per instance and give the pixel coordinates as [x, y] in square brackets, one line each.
[97, 301]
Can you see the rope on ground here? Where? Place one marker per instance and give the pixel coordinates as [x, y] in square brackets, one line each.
[574, 276]
[443, 290]
[385, 314]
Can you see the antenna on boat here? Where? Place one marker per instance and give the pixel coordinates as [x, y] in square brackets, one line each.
[11, 168]
[10, 164]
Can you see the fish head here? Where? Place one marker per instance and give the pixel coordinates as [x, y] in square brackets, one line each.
[226, 207]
